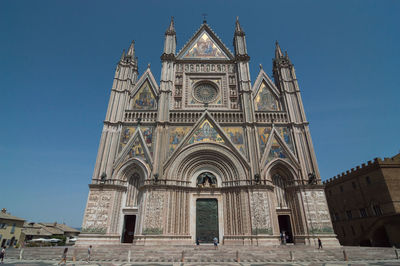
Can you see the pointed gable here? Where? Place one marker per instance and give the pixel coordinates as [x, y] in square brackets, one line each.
[139, 145]
[279, 146]
[205, 45]
[266, 95]
[276, 151]
[144, 93]
[266, 100]
[204, 48]
[206, 133]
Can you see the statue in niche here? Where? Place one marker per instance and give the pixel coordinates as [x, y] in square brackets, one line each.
[206, 179]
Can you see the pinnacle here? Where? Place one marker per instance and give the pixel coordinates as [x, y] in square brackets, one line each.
[238, 28]
[278, 51]
[171, 28]
[123, 55]
[131, 50]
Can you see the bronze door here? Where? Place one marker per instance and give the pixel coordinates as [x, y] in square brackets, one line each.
[207, 220]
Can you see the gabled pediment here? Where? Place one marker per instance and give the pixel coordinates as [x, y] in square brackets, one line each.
[206, 130]
[205, 45]
[277, 148]
[145, 92]
[265, 94]
[135, 148]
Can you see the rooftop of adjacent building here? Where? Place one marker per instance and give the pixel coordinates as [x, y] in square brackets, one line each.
[364, 168]
[7, 216]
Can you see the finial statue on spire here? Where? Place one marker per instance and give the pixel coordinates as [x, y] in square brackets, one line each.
[204, 18]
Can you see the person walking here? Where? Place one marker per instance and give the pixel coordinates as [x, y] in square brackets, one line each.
[64, 257]
[215, 242]
[89, 252]
[319, 243]
[2, 254]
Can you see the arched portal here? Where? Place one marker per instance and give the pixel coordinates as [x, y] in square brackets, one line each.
[215, 203]
[132, 173]
[282, 177]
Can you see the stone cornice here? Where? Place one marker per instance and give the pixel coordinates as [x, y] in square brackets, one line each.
[242, 57]
[167, 57]
[107, 187]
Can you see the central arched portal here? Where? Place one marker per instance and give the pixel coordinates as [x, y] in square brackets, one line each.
[214, 204]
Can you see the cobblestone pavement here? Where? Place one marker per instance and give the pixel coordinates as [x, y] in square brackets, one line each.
[210, 262]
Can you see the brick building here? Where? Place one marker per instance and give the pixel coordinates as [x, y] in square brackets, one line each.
[365, 203]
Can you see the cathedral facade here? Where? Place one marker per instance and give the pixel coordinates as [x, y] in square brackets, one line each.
[206, 153]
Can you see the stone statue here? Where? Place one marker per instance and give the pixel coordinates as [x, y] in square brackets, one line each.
[206, 179]
[312, 180]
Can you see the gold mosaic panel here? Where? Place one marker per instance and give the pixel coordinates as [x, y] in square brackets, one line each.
[176, 134]
[204, 47]
[206, 133]
[144, 99]
[236, 135]
[263, 134]
[266, 99]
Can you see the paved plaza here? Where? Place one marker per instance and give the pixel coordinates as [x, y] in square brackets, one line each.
[328, 263]
[206, 255]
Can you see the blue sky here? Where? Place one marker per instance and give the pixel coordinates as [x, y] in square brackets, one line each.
[57, 61]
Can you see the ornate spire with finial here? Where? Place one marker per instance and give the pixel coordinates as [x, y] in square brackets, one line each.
[171, 28]
[238, 28]
[278, 51]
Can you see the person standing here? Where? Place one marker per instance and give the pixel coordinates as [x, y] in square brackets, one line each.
[64, 257]
[215, 242]
[89, 252]
[319, 243]
[2, 254]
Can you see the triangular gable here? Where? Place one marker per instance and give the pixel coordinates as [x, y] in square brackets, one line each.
[205, 130]
[145, 93]
[265, 94]
[205, 45]
[136, 147]
[277, 148]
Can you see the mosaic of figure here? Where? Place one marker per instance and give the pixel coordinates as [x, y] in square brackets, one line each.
[176, 134]
[284, 132]
[266, 99]
[136, 150]
[206, 132]
[236, 136]
[204, 47]
[148, 137]
[276, 151]
[263, 133]
[126, 135]
[144, 98]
